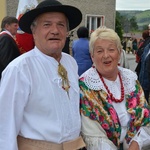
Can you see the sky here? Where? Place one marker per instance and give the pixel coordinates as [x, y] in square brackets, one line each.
[132, 4]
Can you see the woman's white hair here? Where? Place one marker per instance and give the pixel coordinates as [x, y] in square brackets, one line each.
[107, 34]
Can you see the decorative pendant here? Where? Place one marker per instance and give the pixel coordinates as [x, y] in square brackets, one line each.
[63, 74]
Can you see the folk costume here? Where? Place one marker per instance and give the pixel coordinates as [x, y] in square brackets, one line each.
[39, 98]
[25, 42]
[113, 124]
[57, 120]
[8, 49]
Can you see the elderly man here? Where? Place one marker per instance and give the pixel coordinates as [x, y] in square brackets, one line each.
[39, 93]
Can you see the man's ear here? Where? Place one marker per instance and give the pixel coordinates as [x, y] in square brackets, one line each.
[6, 26]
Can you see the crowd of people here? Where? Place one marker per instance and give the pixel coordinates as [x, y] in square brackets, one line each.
[88, 101]
[130, 45]
[141, 49]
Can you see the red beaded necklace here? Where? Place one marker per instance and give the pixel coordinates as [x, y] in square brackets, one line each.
[110, 94]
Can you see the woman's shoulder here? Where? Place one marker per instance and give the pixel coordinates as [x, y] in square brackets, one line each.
[127, 73]
[129, 79]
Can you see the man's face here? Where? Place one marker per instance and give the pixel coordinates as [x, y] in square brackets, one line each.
[12, 28]
[50, 32]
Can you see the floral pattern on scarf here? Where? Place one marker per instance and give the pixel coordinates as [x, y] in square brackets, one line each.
[97, 105]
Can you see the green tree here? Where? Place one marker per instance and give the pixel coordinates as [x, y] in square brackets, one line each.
[145, 27]
[125, 24]
[118, 26]
[133, 24]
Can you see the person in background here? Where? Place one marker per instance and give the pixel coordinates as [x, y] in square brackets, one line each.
[8, 47]
[39, 91]
[146, 41]
[148, 66]
[135, 45]
[140, 42]
[149, 29]
[148, 71]
[80, 50]
[24, 40]
[114, 112]
[123, 62]
[124, 44]
[129, 46]
[144, 71]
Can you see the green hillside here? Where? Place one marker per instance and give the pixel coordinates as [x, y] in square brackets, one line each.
[142, 17]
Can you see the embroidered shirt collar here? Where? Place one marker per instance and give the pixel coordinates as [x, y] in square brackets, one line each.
[92, 80]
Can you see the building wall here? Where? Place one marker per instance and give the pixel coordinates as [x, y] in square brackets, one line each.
[104, 8]
[12, 6]
[9, 8]
[96, 7]
[3, 9]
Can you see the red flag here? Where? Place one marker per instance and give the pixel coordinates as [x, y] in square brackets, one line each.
[24, 40]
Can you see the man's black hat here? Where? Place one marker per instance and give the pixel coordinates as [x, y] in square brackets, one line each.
[73, 14]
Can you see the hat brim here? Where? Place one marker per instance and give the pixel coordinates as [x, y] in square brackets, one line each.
[73, 14]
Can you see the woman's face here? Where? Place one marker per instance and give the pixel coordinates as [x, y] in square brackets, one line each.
[106, 57]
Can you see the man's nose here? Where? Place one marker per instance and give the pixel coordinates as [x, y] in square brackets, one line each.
[54, 29]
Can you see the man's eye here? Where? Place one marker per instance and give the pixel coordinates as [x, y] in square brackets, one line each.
[46, 24]
[61, 24]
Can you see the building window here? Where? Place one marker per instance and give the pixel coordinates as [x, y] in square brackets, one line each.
[94, 21]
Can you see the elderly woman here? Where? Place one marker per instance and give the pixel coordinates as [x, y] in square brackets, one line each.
[114, 112]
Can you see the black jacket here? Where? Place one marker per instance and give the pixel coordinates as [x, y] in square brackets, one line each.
[8, 50]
